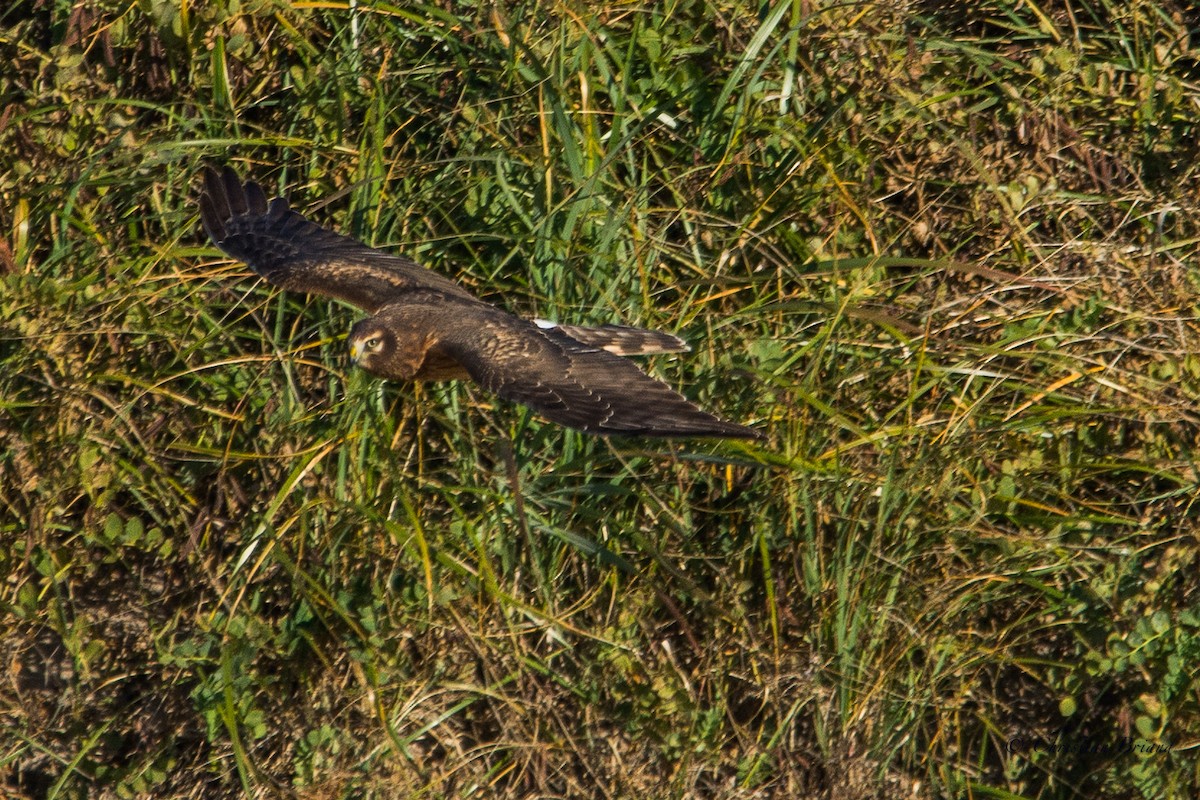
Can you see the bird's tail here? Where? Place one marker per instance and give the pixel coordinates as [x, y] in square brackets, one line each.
[620, 340]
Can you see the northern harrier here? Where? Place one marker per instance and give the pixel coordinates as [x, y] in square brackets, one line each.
[427, 327]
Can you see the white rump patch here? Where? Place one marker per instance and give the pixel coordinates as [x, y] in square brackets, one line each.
[545, 324]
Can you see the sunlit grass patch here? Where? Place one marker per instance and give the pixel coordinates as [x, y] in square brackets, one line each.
[945, 258]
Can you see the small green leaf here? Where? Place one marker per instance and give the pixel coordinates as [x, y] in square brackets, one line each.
[1145, 727]
[113, 527]
[133, 531]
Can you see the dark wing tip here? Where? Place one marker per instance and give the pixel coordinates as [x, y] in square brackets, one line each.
[211, 218]
[256, 198]
[214, 207]
[225, 197]
[235, 195]
[686, 423]
[732, 430]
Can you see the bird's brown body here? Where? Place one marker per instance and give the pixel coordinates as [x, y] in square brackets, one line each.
[426, 327]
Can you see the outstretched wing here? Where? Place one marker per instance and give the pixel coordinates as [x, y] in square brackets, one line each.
[296, 254]
[576, 384]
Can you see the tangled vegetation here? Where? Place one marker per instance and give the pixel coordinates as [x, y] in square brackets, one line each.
[945, 256]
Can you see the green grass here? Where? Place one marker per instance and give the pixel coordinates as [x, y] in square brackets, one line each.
[945, 258]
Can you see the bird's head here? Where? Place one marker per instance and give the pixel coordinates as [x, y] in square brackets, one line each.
[385, 350]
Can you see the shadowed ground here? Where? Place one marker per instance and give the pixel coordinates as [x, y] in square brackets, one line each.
[945, 258]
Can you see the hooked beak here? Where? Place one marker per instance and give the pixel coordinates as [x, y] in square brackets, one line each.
[356, 351]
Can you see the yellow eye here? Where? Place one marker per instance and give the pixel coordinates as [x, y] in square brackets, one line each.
[374, 343]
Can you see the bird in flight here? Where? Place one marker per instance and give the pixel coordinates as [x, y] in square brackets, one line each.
[425, 327]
